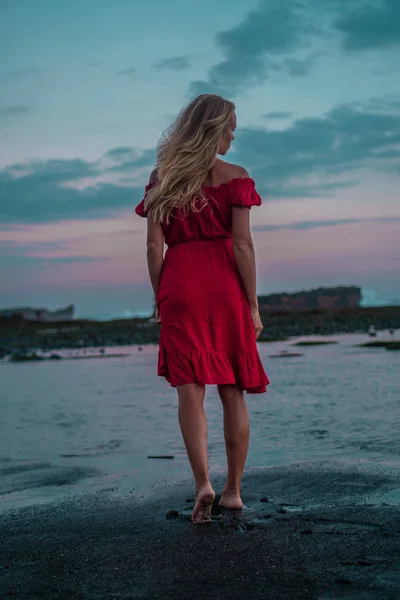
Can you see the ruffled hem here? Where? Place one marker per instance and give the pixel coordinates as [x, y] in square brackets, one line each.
[206, 368]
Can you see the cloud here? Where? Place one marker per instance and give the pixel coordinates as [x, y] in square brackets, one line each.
[383, 104]
[129, 72]
[41, 262]
[284, 39]
[277, 115]
[316, 155]
[15, 110]
[129, 160]
[369, 25]
[74, 259]
[177, 63]
[252, 47]
[20, 73]
[42, 191]
[122, 154]
[293, 67]
[308, 225]
[42, 254]
[312, 157]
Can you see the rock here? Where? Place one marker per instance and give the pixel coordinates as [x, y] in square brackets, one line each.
[344, 581]
[25, 357]
[317, 299]
[306, 531]
[282, 511]
[284, 354]
[264, 500]
[161, 456]
[172, 514]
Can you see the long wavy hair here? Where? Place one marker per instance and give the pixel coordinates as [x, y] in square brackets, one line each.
[185, 155]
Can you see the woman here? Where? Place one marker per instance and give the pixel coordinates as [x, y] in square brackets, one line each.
[205, 286]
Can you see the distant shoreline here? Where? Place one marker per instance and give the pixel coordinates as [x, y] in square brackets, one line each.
[17, 335]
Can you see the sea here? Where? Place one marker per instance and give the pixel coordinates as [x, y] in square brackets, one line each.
[78, 427]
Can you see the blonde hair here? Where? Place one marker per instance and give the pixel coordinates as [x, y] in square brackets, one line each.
[185, 155]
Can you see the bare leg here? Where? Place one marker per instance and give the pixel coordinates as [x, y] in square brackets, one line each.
[193, 423]
[237, 434]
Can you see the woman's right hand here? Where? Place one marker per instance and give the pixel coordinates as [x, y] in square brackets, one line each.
[257, 324]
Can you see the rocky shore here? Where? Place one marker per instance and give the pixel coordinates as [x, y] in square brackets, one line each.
[18, 335]
[308, 531]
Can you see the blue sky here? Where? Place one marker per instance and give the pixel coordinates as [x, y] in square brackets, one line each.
[88, 87]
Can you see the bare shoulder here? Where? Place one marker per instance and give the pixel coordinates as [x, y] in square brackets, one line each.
[239, 171]
[153, 176]
[232, 171]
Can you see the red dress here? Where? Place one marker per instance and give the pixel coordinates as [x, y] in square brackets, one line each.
[207, 335]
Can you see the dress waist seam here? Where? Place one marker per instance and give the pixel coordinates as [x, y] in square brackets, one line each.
[213, 241]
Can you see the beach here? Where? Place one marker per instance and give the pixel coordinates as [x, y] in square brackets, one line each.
[86, 514]
[323, 531]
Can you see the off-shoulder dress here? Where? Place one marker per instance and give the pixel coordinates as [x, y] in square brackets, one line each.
[207, 336]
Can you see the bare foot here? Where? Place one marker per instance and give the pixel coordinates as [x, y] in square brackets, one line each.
[231, 500]
[202, 508]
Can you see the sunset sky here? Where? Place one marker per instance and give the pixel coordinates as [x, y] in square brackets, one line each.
[88, 86]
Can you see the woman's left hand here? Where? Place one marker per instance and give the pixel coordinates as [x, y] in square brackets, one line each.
[157, 316]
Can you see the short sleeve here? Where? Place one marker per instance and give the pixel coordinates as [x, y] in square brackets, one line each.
[139, 210]
[244, 193]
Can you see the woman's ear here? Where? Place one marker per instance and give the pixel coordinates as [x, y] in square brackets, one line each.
[153, 176]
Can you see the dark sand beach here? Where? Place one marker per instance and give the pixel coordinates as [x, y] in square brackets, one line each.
[310, 530]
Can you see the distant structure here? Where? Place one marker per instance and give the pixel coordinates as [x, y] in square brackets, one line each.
[316, 299]
[41, 315]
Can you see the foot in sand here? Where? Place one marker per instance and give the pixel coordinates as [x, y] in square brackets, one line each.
[231, 500]
[202, 508]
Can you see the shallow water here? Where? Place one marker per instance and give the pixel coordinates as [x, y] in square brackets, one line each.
[70, 427]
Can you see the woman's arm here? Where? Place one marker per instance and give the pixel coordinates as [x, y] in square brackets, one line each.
[155, 247]
[155, 253]
[245, 259]
[244, 252]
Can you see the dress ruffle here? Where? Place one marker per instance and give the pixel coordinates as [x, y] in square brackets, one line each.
[239, 191]
[244, 193]
[206, 368]
[139, 210]
[231, 184]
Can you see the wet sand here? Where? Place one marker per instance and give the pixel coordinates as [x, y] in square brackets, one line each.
[308, 531]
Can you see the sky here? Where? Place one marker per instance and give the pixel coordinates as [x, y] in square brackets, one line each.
[87, 88]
